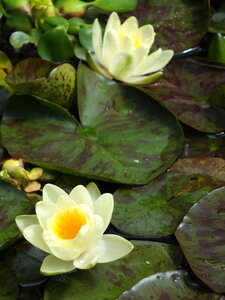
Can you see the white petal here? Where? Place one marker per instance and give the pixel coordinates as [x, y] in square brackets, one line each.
[93, 191]
[148, 79]
[24, 221]
[113, 22]
[66, 254]
[104, 208]
[81, 196]
[33, 234]
[92, 61]
[155, 62]
[44, 210]
[97, 39]
[147, 34]
[113, 247]
[65, 202]
[130, 25]
[110, 46]
[51, 192]
[87, 259]
[52, 266]
[121, 65]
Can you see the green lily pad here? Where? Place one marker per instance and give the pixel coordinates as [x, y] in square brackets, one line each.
[169, 286]
[179, 24]
[185, 90]
[44, 79]
[201, 236]
[156, 209]
[108, 281]
[124, 136]
[16, 200]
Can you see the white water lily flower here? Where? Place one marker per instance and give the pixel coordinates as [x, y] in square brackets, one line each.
[123, 52]
[70, 228]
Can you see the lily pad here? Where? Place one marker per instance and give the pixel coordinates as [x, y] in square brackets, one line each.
[169, 286]
[208, 166]
[124, 136]
[11, 197]
[145, 211]
[179, 24]
[9, 288]
[20, 272]
[108, 281]
[201, 236]
[156, 209]
[44, 79]
[185, 90]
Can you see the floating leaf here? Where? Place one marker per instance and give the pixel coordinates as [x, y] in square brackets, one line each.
[157, 208]
[11, 197]
[185, 89]
[108, 281]
[146, 210]
[169, 286]
[9, 288]
[208, 166]
[201, 235]
[54, 45]
[123, 137]
[116, 5]
[44, 79]
[20, 38]
[20, 267]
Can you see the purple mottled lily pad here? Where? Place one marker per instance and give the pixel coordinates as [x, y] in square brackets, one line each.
[208, 166]
[157, 208]
[124, 136]
[108, 281]
[201, 236]
[166, 286]
[44, 79]
[185, 90]
[179, 24]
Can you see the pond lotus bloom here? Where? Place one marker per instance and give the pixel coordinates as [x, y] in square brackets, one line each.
[70, 227]
[123, 51]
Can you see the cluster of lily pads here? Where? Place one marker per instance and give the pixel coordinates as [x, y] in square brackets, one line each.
[128, 95]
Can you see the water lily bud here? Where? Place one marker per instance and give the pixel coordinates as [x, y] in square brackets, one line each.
[11, 165]
[70, 228]
[123, 52]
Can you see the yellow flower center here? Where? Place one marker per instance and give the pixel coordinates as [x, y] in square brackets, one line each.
[67, 223]
[136, 40]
